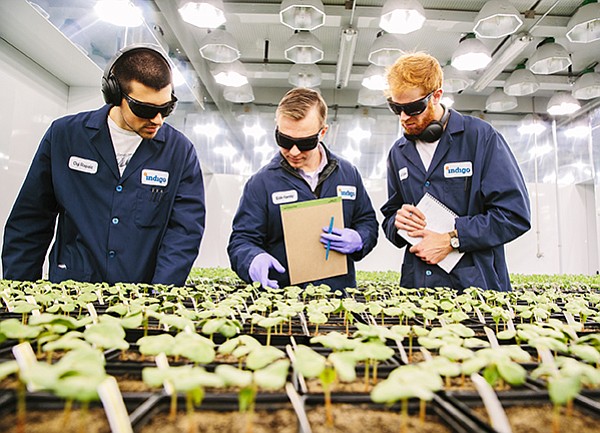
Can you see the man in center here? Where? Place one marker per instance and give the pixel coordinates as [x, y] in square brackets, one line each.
[305, 170]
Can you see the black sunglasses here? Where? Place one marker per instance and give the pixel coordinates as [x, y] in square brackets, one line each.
[412, 108]
[303, 144]
[149, 111]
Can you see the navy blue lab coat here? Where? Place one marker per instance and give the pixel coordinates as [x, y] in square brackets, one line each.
[257, 223]
[142, 227]
[491, 200]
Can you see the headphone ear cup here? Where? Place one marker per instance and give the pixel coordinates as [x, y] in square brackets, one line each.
[111, 90]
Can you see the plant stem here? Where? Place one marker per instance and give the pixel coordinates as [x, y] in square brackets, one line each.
[422, 410]
[556, 419]
[84, 416]
[67, 411]
[366, 375]
[189, 408]
[173, 407]
[268, 336]
[404, 416]
[328, 408]
[21, 407]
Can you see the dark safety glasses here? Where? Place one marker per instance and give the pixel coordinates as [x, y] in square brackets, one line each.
[412, 108]
[303, 144]
[149, 111]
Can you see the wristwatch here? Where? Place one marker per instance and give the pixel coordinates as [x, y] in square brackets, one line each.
[454, 242]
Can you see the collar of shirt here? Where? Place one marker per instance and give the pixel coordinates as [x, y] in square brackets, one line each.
[313, 177]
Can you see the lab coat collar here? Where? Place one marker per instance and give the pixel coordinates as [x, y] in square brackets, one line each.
[101, 140]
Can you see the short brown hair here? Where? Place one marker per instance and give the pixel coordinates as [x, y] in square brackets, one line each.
[415, 70]
[299, 101]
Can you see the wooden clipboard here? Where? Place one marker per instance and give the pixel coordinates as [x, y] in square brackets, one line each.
[303, 224]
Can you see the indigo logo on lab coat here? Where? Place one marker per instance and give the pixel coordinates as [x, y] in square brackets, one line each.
[347, 192]
[155, 177]
[458, 169]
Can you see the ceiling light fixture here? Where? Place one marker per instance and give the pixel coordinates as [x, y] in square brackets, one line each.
[497, 19]
[549, 58]
[375, 78]
[385, 50]
[230, 74]
[239, 95]
[584, 25]
[303, 47]
[531, 124]
[371, 98]
[502, 59]
[499, 101]
[302, 14]
[302, 75]
[562, 103]
[587, 85]
[471, 54]
[121, 13]
[206, 14]
[454, 80]
[402, 16]
[346, 57]
[219, 46]
[521, 82]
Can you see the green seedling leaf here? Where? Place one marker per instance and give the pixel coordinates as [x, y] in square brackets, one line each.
[373, 350]
[155, 344]
[13, 328]
[474, 365]
[471, 343]
[512, 372]
[455, 353]
[78, 387]
[106, 335]
[7, 368]
[327, 377]
[246, 398]
[273, 376]
[308, 362]
[344, 364]
[194, 347]
[506, 334]
[563, 389]
[586, 353]
[262, 356]
[233, 376]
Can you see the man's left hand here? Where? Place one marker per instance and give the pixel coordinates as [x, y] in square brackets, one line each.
[433, 248]
[345, 241]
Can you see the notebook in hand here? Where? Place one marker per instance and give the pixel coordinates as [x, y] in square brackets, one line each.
[440, 219]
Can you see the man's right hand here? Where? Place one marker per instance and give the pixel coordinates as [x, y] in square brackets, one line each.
[259, 270]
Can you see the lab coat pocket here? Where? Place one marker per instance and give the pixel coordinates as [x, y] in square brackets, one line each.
[467, 276]
[150, 207]
[62, 273]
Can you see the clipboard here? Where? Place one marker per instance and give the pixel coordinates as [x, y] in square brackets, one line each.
[303, 224]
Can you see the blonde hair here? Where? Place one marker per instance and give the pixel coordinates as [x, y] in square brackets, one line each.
[415, 70]
[299, 101]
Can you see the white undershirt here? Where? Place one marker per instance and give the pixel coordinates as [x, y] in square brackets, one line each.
[426, 151]
[125, 143]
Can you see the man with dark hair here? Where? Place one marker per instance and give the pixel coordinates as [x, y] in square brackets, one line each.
[304, 169]
[126, 187]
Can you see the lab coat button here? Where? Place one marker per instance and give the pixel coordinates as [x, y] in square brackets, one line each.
[119, 188]
[428, 272]
[111, 254]
[427, 183]
[115, 220]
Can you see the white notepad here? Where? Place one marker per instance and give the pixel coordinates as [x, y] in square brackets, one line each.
[440, 219]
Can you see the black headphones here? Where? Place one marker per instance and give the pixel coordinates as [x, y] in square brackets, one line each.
[111, 90]
[433, 131]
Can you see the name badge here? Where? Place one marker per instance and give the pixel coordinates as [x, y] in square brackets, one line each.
[458, 169]
[403, 173]
[155, 177]
[84, 165]
[347, 192]
[282, 197]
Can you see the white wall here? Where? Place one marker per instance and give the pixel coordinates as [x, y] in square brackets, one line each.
[564, 242]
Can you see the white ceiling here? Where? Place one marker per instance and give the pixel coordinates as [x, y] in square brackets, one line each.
[261, 39]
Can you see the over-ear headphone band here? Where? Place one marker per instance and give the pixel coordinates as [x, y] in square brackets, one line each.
[111, 90]
[433, 131]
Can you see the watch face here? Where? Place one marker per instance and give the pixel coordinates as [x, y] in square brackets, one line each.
[454, 243]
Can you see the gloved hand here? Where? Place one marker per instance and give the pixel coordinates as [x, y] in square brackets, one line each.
[345, 241]
[259, 269]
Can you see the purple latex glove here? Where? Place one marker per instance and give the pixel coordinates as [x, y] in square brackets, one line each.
[345, 241]
[259, 269]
